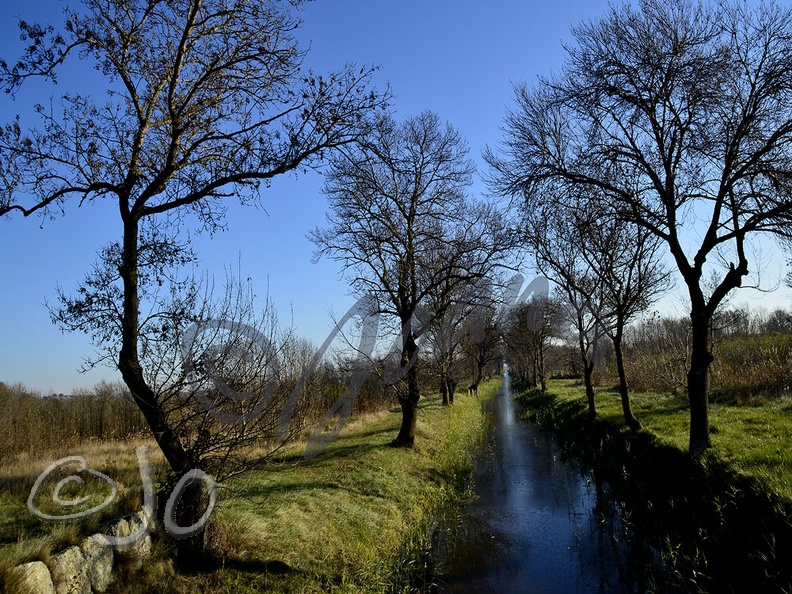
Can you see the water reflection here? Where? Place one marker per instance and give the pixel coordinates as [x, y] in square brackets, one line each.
[539, 524]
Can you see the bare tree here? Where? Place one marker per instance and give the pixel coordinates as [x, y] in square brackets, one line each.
[588, 335]
[527, 330]
[553, 232]
[458, 314]
[679, 116]
[624, 258]
[444, 337]
[481, 338]
[446, 348]
[213, 366]
[206, 101]
[401, 225]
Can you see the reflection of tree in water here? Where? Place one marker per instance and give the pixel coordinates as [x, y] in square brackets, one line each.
[614, 548]
[540, 524]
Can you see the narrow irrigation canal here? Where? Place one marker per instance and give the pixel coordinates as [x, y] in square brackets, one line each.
[538, 524]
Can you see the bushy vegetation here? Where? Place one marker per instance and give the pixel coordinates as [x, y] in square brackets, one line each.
[31, 422]
[752, 352]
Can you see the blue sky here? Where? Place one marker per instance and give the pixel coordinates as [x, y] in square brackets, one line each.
[459, 59]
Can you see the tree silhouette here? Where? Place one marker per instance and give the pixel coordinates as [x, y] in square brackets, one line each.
[403, 228]
[206, 101]
[679, 116]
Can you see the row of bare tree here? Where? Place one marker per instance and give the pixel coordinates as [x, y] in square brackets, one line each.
[668, 130]
[206, 102]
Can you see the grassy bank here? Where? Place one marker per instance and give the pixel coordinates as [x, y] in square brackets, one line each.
[357, 518]
[354, 519]
[753, 440]
[722, 524]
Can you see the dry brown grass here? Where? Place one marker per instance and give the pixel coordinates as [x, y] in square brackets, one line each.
[24, 537]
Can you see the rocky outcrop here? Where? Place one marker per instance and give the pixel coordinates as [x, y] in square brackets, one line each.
[83, 569]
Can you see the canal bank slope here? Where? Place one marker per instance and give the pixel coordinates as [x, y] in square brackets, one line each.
[714, 525]
[358, 518]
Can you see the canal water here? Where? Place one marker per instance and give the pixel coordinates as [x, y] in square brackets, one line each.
[538, 523]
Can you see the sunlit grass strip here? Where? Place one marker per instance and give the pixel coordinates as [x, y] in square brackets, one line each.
[340, 523]
[755, 440]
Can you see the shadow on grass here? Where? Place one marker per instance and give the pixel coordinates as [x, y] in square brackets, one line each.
[18, 484]
[212, 563]
[719, 530]
[341, 448]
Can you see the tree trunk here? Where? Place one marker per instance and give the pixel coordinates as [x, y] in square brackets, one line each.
[129, 361]
[179, 459]
[451, 389]
[633, 423]
[534, 370]
[409, 402]
[479, 375]
[406, 436]
[191, 551]
[700, 359]
[588, 372]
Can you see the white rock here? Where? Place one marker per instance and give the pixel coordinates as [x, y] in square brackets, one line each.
[30, 578]
[70, 572]
[99, 558]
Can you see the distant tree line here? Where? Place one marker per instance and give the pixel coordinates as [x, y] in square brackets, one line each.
[31, 422]
[108, 412]
[752, 351]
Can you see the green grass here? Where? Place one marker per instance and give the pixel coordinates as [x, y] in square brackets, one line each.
[347, 520]
[754, 440]
[357, 518]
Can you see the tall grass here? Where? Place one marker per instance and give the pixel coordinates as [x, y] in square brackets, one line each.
[24, 537]
[752, 352]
